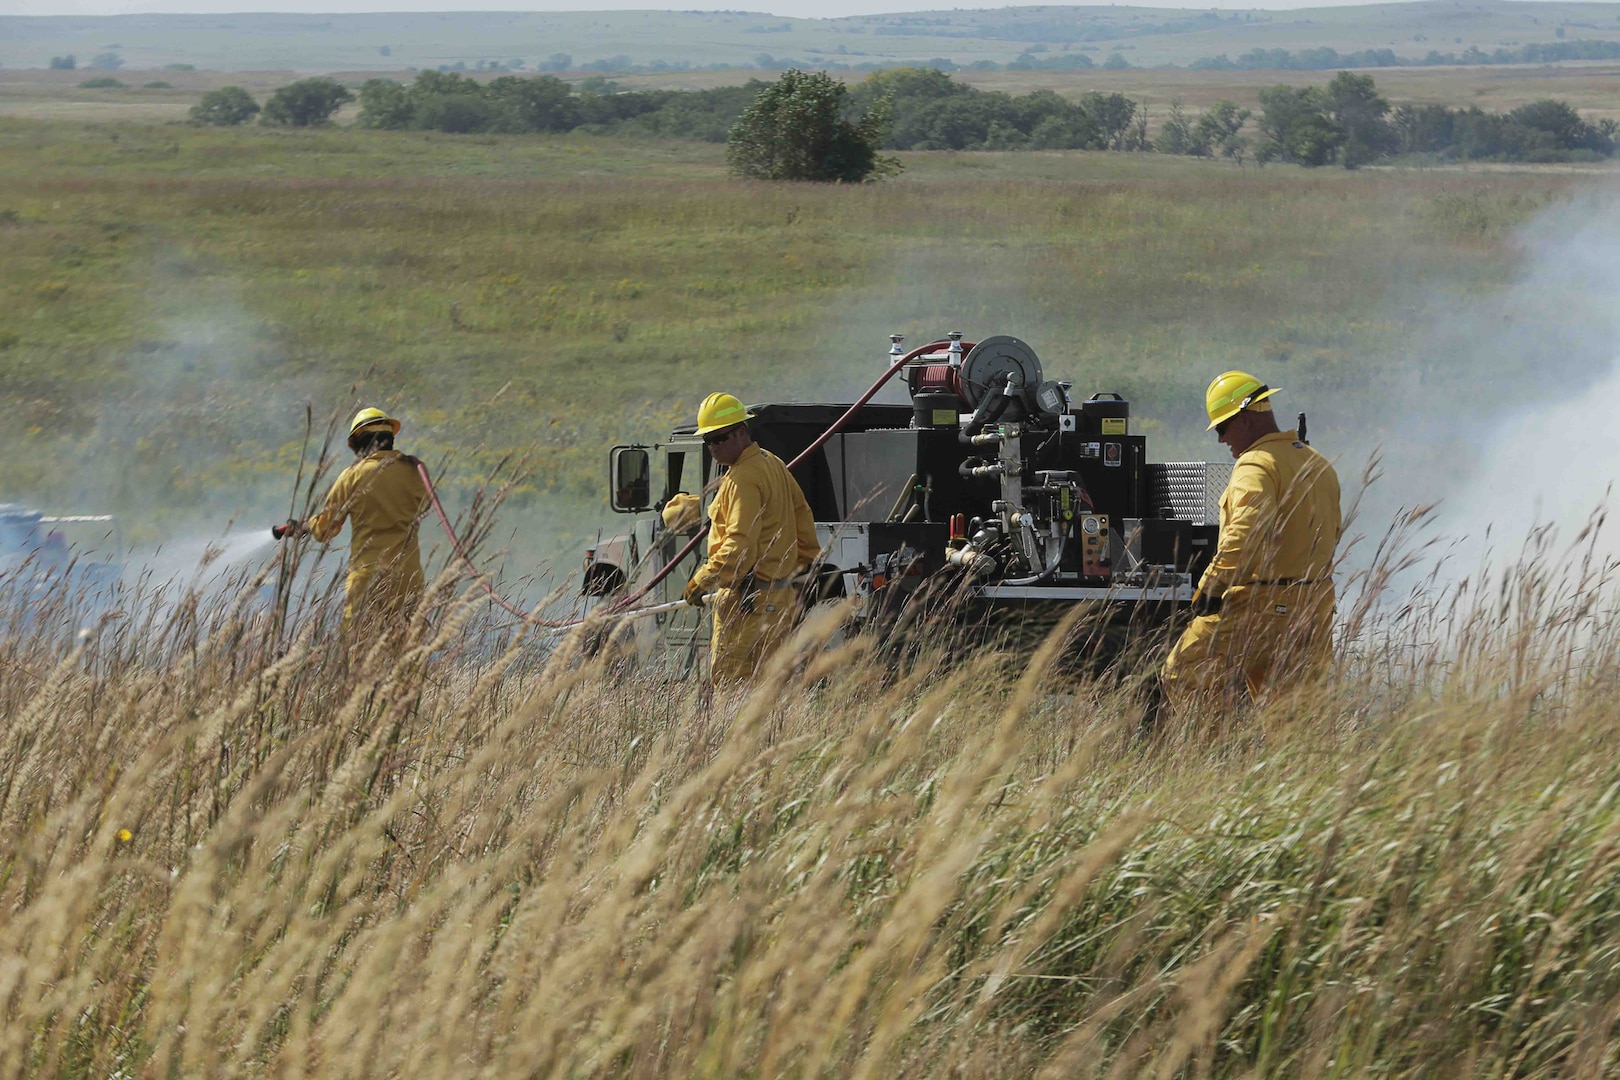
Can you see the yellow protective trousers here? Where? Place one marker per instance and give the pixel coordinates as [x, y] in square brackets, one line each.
[1265, 636]
[377, 596]
[744, 639]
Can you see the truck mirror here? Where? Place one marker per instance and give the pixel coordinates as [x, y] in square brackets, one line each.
[632, 480]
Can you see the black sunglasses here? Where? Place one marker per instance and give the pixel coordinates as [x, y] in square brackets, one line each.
[720, 437]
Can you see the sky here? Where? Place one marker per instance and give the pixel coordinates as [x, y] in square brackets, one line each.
[803, 9]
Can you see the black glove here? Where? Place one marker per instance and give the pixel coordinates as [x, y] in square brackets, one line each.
[693, 593]
[1205, 605]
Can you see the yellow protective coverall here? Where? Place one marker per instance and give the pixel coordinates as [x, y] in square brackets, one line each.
[383, 496]
[1273, 573]
[759, 525]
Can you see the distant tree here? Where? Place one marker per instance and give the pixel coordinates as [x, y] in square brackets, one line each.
[384, 50]
[1296, 126]
[458, 114]
[64, 63]
[107, 61]
[796, 129]
[556, 62]
[534, 103]
[1560, 120]
[1217, 130]
[1422, 129]
[1112, 113]
[1175, 134]
[306, 103]
[1116, 62]
[385, 103]
[225, 107]
[1313, 141]
[1360, 113]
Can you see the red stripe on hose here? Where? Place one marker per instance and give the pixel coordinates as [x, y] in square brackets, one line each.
[444, 520]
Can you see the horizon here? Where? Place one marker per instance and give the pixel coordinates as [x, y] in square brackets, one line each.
[791, 9]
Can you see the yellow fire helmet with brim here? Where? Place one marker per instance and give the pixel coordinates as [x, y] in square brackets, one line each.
[373, 416]
[1232, 392]
[720, 411]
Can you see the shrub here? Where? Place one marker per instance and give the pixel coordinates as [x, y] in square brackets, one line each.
[104, 82]
[385, 103]
[796, 130]
[225, 107]
[458, 114]
[159, 85]
[306, 103]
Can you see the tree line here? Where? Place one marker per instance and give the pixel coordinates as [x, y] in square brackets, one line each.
[1327, 58]
[1350, 123]
[925, 109]
[1346, 122]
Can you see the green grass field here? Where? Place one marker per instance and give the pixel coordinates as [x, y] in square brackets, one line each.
[172, 297]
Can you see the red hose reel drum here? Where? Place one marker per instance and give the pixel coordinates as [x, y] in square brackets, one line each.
[938, 376]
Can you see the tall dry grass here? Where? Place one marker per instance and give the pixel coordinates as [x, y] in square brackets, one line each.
[228, 846]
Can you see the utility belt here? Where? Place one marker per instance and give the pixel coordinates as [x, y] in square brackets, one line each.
[751, 585]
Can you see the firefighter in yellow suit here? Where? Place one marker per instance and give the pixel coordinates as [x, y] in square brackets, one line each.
[383, 497]
[761, 534]
[1264, 606]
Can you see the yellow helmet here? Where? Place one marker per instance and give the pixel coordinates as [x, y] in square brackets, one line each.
[720, 411]
[368, 417]
[1231, 393]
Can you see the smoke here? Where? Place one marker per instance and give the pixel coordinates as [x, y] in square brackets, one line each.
[1500, 416]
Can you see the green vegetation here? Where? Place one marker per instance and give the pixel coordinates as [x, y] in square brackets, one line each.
[306, 103]
[932, 111]
[1327, 58]
[225, 107]
[104, 82]
[1215, 132]
[796, 130]
[1348, 121]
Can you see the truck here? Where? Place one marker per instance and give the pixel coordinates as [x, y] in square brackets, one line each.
[76, 556]
[996, 498]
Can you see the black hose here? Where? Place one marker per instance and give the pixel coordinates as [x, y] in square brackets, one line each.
[1057, 560]
[991, 406]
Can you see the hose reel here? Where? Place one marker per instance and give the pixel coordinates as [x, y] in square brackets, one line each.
[987, 367]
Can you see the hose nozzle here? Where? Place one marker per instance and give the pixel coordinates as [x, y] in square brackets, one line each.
[288, 528]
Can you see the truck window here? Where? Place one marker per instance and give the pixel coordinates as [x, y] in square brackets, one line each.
[672, 484]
